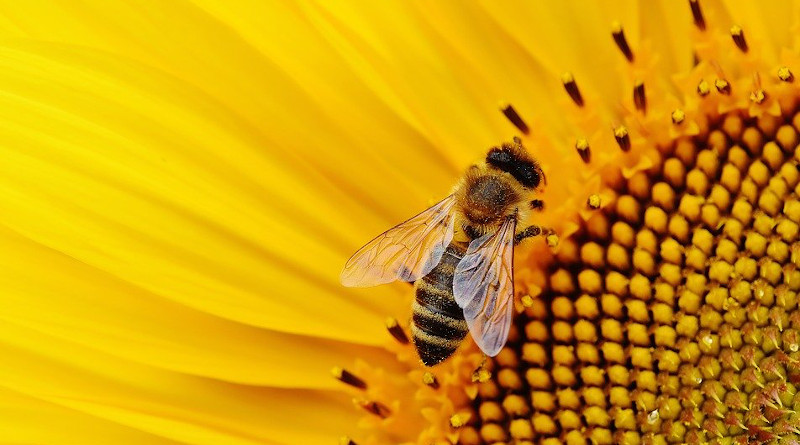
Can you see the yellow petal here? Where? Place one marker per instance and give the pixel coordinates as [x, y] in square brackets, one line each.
[164, 403]
[84, 305]
[130, 186]
[25, 419]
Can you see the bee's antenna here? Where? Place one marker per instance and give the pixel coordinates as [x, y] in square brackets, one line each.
[538, 167]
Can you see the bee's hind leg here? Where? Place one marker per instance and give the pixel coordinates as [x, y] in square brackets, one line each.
[532, 231]
[481, 374]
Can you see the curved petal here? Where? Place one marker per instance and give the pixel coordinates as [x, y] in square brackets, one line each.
[163, 403]
[104, 162]
[29, 420]
[82, 304]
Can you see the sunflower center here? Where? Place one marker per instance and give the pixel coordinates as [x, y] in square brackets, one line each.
[670, 317]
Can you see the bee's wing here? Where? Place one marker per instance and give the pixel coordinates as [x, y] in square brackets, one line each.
[405, 252]
[483, 286]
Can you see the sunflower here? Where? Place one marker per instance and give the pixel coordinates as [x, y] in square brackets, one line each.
[182, 182]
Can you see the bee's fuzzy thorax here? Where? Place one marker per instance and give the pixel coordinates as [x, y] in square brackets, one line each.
[485, 197]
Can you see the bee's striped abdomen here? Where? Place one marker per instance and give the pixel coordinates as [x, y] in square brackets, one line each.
[437, 324]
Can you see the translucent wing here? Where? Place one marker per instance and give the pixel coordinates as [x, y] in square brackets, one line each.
[405, 252]
[483, 287]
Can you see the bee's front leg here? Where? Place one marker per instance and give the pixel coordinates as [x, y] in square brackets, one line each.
[531, 231]
[537, 205]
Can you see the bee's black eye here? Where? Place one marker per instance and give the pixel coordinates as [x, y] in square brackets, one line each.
[526, 172]
[500, 159]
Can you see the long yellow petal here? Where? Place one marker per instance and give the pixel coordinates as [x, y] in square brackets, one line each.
[25, 419]
[84, 305]
[167, 404]
[105, 163]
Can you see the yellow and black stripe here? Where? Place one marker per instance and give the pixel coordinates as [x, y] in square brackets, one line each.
[437, 323]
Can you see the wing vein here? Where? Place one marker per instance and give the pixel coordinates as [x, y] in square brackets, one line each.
[406, 252]
[483, 287]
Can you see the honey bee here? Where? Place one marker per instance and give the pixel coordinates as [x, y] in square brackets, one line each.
[462, 283]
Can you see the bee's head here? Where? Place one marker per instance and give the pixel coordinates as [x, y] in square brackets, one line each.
[513, 159]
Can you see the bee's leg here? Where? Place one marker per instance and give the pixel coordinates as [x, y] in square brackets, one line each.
[471, 232]
[531, 231]
[527, 233]
[481, 374]
[537, 205]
